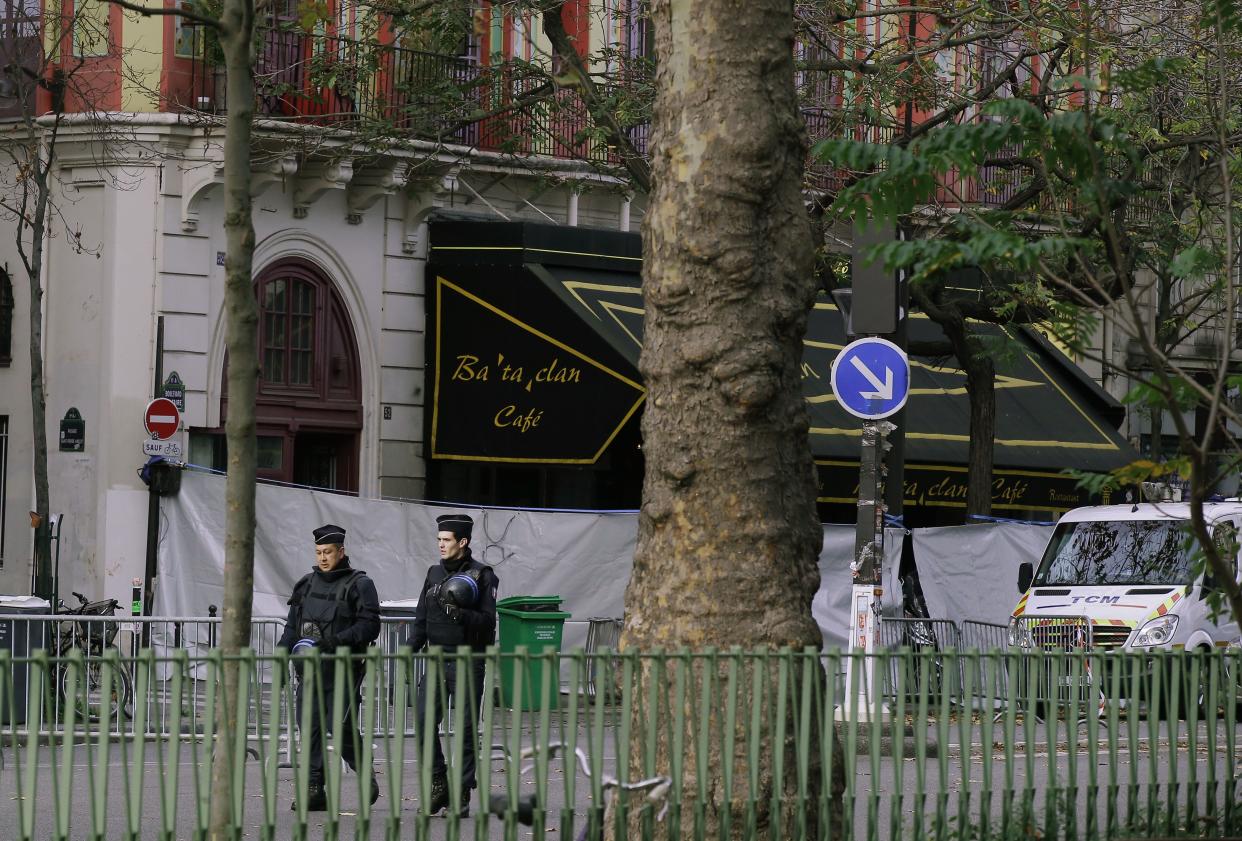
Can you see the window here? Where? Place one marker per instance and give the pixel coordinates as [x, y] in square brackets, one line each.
[90, 28]
[523, 37]
[288, 332]
[639, 34]
[211, 450]
[6, 319]
[21, 54]
[1225, 536]
[187, 36]
[4, 472]
[1114, 553]
[19, 19]
[310, 385]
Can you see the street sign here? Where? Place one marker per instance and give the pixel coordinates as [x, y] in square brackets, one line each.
[72, 432]
[161, 418]
[174, 390]
[167, 449]
[871, 378]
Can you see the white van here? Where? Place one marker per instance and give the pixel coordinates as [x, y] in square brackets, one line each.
[1127, 571]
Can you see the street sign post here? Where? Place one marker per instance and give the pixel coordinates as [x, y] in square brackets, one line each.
[161, 418]
[871, 380]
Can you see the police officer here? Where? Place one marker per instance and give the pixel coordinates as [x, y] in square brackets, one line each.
[456, 610]
[334, 607]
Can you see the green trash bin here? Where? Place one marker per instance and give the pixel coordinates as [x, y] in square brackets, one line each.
[537, 623]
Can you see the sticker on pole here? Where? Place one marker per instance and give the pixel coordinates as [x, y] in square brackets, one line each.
[161, 418]
[871, 378]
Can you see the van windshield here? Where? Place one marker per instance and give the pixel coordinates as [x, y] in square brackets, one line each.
[1117, 552]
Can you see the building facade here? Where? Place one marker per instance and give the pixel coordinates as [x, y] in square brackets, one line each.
[133, 271]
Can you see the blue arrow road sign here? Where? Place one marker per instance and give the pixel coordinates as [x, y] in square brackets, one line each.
[871, 378]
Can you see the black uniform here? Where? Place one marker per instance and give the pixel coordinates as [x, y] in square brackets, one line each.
[338, 608]
[472, 628]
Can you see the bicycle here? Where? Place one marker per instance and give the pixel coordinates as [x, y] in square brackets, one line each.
[657, 789]
[92, 634]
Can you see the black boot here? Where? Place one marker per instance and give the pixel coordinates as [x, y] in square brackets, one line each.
[374, 789]
[439, 794]
[316, 799]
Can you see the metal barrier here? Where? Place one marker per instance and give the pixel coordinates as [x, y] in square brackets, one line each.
[603, 635]
[1052, 684]
[984, 636]
[991, 676]
[107, 696]
[929, 636]
[701, 724]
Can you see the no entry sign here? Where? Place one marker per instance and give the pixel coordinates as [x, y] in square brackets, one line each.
[161, 418]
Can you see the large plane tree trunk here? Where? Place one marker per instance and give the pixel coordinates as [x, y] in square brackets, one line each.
[728, 532]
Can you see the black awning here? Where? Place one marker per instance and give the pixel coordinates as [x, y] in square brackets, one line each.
[1048, 414]
[524, 371]
[538, 294]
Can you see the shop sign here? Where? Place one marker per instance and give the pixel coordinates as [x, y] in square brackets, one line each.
[506, 391]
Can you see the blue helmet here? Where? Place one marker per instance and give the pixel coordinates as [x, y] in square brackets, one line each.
[460, 590]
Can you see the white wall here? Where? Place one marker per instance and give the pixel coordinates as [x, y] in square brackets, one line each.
[15, 403]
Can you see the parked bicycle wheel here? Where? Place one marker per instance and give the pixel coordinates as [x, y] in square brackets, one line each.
[102, 694]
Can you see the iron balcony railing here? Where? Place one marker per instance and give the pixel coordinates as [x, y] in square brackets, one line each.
[387, 89]
[510, 108]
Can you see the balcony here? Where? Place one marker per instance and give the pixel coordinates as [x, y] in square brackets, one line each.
[21, 59]
[387, 91]
[993, 185]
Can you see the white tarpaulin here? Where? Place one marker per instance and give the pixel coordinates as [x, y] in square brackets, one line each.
[971, 572]
[583, 557]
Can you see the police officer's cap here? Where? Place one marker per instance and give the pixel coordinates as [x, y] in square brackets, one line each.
[329, 534]
[459, 524]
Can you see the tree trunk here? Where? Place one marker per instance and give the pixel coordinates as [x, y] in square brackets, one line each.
[728, 532]
[241, 340]
[40, 172]
[981, 384]
[981, 390]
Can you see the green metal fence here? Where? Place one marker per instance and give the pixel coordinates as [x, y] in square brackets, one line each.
[726, 744]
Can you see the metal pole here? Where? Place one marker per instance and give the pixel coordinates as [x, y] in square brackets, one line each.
[867, 570]
[895, 459]
[60, 519]
[153, 500]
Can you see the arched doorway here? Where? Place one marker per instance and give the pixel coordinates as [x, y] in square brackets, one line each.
[309, 407]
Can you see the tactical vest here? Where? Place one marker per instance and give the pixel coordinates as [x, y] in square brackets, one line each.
[444, 631]
[325, 606]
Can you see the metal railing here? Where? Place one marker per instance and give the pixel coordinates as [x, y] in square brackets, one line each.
[112, 704]
[386, 89]
[746, 739]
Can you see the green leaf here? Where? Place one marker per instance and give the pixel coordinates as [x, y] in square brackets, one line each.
[1150, 74]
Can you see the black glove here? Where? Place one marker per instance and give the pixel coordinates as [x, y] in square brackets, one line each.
[328, 642]
[452, 611]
